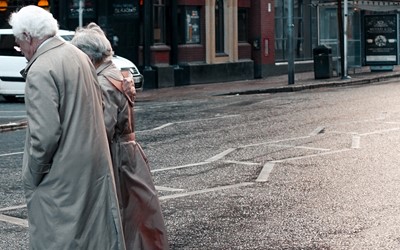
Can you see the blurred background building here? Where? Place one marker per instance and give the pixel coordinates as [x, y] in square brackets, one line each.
[181, 42]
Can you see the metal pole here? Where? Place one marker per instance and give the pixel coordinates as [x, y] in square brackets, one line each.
[80, 13]
[345, 22]
[290, 43]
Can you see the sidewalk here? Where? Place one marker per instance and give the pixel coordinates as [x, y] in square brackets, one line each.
[271, 84]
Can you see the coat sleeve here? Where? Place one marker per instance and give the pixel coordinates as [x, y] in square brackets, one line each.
[42, 103]
[110, 96]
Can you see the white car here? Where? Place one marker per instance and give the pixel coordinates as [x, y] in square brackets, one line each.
[12, 85]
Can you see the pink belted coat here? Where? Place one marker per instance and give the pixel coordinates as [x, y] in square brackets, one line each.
[141, 214]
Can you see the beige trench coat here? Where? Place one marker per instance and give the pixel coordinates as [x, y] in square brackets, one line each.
[141, 214]
[67, 172]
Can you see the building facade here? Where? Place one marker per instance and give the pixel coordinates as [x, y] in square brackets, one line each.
[181, 42]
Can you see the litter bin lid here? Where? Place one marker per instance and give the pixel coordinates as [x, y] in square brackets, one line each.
[322, 49]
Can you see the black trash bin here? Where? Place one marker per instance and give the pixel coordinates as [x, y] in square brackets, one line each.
[322, 62]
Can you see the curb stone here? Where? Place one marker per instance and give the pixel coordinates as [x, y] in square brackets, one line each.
[13, 126]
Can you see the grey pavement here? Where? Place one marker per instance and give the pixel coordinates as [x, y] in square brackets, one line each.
[273, 84]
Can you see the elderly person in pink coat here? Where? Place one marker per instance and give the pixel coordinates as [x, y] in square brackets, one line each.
[67, 172]
[141, 214]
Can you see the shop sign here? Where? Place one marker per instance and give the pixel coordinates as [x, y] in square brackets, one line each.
[125, 10]
[381, 40]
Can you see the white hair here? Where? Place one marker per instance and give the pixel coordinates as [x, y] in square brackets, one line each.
[33, 20]
[93, 41]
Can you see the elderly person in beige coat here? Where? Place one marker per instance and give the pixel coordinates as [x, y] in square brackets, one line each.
[67, 171]
[142, 218]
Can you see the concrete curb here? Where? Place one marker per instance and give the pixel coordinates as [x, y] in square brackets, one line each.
[13, 126]
[336, 83]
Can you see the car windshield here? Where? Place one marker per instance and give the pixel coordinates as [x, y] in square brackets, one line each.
[8, 46]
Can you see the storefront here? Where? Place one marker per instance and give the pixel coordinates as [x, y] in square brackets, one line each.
[364, 19]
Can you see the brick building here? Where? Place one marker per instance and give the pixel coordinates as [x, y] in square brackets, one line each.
[180, 42]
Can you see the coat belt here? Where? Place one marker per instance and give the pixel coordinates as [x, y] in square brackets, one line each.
[127, 137]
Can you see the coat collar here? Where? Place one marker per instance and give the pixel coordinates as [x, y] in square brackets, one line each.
[51, 43]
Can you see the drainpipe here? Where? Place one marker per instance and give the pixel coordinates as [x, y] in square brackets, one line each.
[174, 33]
[148, 31]
[290, 43]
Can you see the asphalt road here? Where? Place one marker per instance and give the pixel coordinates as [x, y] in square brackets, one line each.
[316, 169]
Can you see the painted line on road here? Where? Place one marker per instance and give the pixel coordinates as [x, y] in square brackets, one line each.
[160, 188]
[207, 190]
[16, 153]
[265, 171]
[209, 119]
[299, 147]
[13, 220]
[381, 131]
[188, 121]
[13, 116]
[221, 155]
[179, 167]
[274, 142]
[317, 131]
[12, 208]
[162, 126]
[242, 163]
[355, 141]
[310, 156]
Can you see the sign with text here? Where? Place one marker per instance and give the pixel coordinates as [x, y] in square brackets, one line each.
[381, 40]
[125, 10]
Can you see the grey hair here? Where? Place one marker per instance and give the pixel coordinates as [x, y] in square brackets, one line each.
[93, 42]
[33, 20]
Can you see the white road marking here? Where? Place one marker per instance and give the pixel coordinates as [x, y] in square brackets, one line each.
[12, 208]
[317, 131]
[188, 121]
[266, 170]
[381, 131]
[208, 119]
[313, 155]
[160, 188]
[14, 220]
[274, 142]
[242, 163]
[13, 116]
[299, 147]
[179, 167]
[162, 126]
[355, 141]
[221, 155]
[207, 190]
[16, 153]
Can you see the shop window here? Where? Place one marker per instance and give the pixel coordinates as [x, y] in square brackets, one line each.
[159, 21]
[219, 27]
[189, 25]
[304, 20]
[88, 10]
[243, 24]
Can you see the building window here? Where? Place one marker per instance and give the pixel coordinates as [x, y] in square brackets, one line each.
[219, 27]
[243, 24]
[189, 25]
[305, 25]
[159, 21]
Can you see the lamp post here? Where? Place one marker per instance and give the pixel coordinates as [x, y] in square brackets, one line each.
[80, 11]
[290, 43]
[345, 22]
